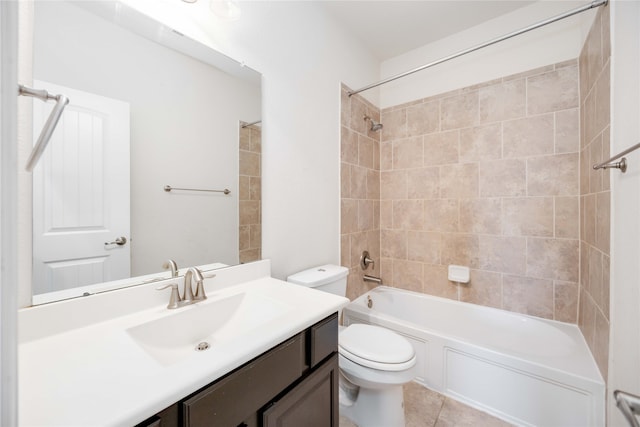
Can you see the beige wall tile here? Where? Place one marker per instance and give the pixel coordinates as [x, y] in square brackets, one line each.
[373, 184]
[528, 296]
[584, 170]
[503, 178]
[256, 140]
[365, 151]
[593, 51]
[407, 153]
[386, 214]
[606, 286]
[359, 109]
[528, 216]
[365, 215]
[529, 136]
[249, 212]
[256, 236]
[386, 156]
[393, 185]
[484, 288]
[567, 215]
[481, 143]
[408, 215]
[602, 99]
[553, 175]
[553, 91]
[606, 33]
[459, 180]
[423, 118]
[244, 187]
[565, 302]
[553, 258]
[249, 256]
[480, 216]
[245, 237]
[348, 146]
[595, 276]
[587, 317]
[348, 216]
[245, 139]
[249, 163]
[502, 254]
[589, 219]
[345, 106]
[460, 249]
[567, 131]
[345, 251]
[441, 215]
[436, 282]
[603, 226]
[358, 182]
[459, 111]
[407, 275]
[393, 244]
[589, 118]
[502, 101]
[395, 125]
[424, 246]
[606, 154]
[423, 183]
[595, 156]
[441, 148]
[255, 188]
[358, 244]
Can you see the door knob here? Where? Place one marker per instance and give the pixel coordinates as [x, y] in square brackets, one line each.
[119, 241]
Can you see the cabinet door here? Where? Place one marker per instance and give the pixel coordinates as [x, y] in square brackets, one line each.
[312, 403]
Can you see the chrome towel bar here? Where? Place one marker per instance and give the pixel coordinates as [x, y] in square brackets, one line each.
[622, 164]
[168, 188]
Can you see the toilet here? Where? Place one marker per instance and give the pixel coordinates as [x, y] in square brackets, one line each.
[374, 362]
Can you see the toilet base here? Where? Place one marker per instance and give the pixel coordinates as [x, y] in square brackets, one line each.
[382, 407]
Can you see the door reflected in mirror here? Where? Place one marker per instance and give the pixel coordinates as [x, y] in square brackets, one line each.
[142, 115]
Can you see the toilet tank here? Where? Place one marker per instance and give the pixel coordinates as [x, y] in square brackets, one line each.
[326, 278]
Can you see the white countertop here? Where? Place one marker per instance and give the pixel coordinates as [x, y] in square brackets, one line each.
[98, 374]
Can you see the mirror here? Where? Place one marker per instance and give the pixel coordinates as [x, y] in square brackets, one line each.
[149, 108]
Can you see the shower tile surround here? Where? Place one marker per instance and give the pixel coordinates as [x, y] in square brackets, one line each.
[250, 194]
[495, 176]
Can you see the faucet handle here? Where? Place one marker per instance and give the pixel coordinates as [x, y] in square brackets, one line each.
[174, 300]
[200, 294]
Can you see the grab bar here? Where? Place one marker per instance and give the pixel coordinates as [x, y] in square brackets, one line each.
[49, 126]
[622, 164]
[168, 188]
[629, 405]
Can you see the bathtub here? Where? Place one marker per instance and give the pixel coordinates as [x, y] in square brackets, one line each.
[523, 369]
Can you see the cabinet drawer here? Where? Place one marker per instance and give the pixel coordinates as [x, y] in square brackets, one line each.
[312, 403]
[231, 400]
[323, 339]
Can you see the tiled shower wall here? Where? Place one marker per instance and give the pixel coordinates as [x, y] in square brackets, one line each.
[487, 177]
[595, 194]
[360, 189]
[250, 194]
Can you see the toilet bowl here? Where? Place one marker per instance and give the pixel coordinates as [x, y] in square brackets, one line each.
[374, 362]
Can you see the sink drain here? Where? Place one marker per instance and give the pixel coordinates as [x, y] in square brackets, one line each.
[203, 346]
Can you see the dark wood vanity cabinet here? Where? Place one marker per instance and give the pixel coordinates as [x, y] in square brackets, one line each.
[293, 384]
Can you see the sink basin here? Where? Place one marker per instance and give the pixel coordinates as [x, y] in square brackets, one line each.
[174, 337]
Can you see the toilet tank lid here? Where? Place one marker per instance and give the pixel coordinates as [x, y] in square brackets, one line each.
[318, 276]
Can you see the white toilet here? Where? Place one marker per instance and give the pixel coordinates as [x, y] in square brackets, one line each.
[374, 362]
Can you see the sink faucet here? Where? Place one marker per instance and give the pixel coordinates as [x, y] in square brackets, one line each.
[171, 264]
[176, 301]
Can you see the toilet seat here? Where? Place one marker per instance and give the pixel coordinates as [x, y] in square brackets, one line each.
[375, 347]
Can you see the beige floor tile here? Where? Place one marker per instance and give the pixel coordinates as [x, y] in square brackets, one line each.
[421, 405]
[456, 414]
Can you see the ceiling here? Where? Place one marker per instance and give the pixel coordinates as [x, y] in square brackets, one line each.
[389, 28]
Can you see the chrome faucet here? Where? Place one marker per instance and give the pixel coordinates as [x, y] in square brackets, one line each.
[187, 298]
[171, 264]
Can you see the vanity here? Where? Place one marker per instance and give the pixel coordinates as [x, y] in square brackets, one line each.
[257, 352]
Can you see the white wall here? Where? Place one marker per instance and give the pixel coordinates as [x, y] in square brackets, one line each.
[303, 56]
[547, 45]
[184, 131]
[624, 348]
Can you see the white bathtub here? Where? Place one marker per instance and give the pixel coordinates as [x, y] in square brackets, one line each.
[523, 369]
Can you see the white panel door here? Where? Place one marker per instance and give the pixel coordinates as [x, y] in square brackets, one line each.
[81, 193]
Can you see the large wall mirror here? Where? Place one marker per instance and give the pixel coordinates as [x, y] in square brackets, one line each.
[149, 108]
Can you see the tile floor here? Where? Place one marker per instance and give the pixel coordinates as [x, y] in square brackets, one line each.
[426, 408]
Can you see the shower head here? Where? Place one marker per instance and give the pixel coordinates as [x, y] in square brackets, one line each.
[374, 126]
